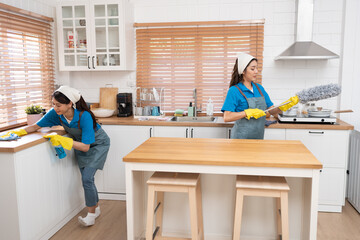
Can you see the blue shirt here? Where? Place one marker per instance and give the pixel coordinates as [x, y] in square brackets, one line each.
[235, 101]
[86, 124]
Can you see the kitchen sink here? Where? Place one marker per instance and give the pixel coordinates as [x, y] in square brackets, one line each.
[194, 119]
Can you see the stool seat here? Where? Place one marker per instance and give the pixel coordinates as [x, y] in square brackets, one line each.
[262, 182]
[171, 178]
[161, 182]
[263, 186]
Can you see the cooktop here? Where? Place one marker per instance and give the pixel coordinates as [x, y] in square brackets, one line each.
[305, 119]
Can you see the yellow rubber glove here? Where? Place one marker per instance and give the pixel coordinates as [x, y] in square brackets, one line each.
[293, 101]
[57, 140]
[254, 112]
[19, 132]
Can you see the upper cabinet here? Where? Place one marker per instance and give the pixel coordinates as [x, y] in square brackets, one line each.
[95, 36]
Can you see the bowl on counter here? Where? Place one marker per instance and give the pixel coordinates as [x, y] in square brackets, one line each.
[103, 112]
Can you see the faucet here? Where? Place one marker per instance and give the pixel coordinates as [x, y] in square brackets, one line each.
[195, 103]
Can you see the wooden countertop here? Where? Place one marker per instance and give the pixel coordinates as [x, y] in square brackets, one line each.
[340, 125]
[36, 138]
[225, 152]
[29, 140]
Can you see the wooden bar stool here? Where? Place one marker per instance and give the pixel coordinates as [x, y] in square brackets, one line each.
[161, 182]
[263, 187]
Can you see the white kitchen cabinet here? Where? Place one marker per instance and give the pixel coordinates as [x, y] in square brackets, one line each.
[95, 35]
[274, 134]
[164, 131]
[123, 139]
[190, 132]
[330, 147]
[270, 133]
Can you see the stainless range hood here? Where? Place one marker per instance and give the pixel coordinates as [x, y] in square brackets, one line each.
[304, 47]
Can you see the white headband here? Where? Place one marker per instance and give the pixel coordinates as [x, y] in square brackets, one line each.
[71, 93]
[243, 60]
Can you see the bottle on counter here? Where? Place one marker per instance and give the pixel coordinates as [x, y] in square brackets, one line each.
[209, 108]
[190, 110]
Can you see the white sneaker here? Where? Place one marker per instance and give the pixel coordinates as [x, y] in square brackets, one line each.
[97, 211]
[87, 221]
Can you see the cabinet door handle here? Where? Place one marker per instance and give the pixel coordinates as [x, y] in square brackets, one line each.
[187, 132]
[88, 62]
[316, 132]
[229, 133]
[150, 132]
[192, 133]
[93, 62]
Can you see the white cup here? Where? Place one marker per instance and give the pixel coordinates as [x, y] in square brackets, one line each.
[139, 111]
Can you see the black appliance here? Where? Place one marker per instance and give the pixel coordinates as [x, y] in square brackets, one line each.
[124, 104]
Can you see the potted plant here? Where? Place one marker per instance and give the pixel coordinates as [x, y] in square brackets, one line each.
[34, 113]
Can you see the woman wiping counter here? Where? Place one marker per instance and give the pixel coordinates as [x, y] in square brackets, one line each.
[89, 140]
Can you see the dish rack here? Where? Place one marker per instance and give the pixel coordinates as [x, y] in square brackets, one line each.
[148, 98]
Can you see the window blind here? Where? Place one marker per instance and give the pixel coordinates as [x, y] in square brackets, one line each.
[26, 65]
[183, 57]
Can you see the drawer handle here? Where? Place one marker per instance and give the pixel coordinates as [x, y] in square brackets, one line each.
[312, 132]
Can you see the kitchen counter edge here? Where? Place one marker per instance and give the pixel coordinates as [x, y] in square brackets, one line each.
[340, 125]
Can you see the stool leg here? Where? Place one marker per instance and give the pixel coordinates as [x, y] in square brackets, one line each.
[193, 214]
[284, 216]
[159, 212]
[238, 213]
[278, 218]
[200, 213]
[150, 213]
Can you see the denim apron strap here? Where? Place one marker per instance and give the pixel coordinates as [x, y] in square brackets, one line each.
[252, 128]
[96, 156]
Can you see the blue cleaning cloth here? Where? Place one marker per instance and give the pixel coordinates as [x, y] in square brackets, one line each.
[11, 137]
[268, 123]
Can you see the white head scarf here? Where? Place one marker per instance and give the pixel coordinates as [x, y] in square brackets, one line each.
[71, 93]
[243, 60]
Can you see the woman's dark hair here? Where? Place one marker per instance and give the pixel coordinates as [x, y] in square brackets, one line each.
[235, 76]
[80, 105]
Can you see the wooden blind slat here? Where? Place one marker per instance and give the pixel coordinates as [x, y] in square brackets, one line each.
[26, 66]
[185, 57]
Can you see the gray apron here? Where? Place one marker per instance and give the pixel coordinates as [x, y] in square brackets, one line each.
[252, 128]
[98, 151]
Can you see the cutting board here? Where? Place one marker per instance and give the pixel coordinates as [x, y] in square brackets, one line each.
[108, 97]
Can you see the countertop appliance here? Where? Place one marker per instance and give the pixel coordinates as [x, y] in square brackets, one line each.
[124, 104]
[306, 119]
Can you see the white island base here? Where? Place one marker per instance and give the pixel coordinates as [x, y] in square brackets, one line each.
[218, 199]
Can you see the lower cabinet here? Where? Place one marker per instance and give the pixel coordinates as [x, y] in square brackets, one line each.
[270, 133]
[330, 147]
[190, 132]
[274, 134]
[123, 139]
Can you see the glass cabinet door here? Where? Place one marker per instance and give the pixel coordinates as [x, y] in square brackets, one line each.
[107, 29]
[75, 36]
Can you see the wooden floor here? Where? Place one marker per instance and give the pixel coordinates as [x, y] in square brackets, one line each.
[111, 224]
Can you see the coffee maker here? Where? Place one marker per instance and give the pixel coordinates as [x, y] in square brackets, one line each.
[124, 103]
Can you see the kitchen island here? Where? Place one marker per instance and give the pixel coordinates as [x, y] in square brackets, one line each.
[40, 192]
[224, 157]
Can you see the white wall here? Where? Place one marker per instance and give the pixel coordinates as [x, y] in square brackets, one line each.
[350, 97]
[282, 79]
